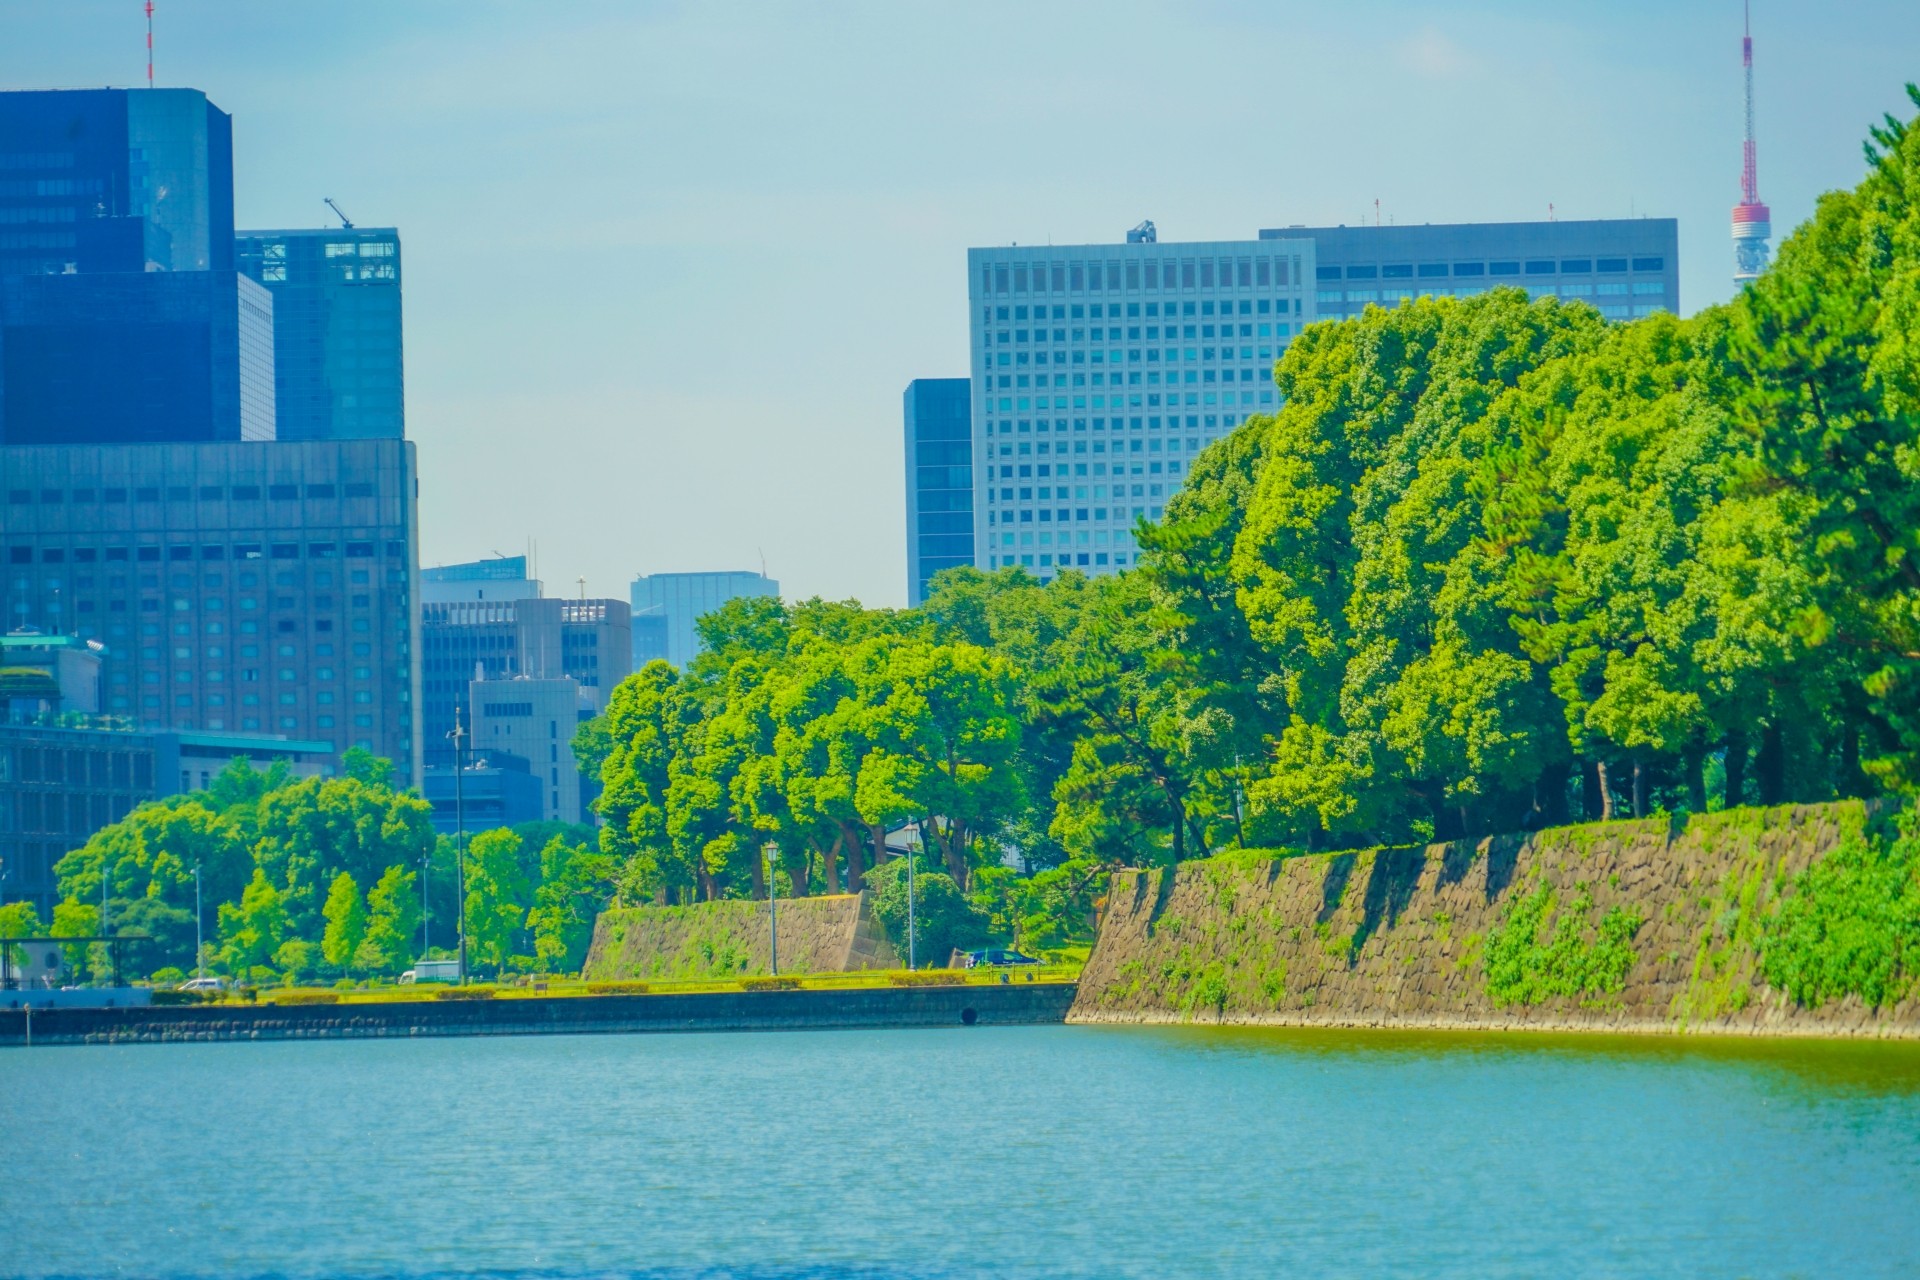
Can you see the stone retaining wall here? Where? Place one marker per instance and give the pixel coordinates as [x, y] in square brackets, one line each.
[1399, 937]
[821, 934]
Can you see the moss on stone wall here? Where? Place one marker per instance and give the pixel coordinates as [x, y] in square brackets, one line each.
[818, 934]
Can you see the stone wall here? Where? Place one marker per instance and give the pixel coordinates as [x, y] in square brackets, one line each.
[821, 934]
[1627, 926]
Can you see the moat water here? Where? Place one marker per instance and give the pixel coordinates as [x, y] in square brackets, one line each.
[1010, 1152]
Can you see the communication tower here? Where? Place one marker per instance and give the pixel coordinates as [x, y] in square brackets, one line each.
[1752, 222]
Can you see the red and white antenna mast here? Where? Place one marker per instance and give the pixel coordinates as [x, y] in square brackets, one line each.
[1752, 221]
[149, 44]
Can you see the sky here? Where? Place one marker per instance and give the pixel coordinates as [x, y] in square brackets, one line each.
[670, 266]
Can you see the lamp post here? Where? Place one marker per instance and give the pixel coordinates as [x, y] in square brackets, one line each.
[199, 945]
[459, 735]
[912, 938]
[426, 904]
[772, 850]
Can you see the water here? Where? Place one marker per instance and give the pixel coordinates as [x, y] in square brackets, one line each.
[1006, 1152]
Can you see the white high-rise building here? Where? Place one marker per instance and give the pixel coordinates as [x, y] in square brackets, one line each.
[1100, 371]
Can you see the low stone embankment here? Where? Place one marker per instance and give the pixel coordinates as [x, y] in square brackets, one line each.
[1625, 926]
[821, 934]
[872, 1008]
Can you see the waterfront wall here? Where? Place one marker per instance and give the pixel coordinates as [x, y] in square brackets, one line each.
[1628, 926]
[820, 934]
[873, 1008]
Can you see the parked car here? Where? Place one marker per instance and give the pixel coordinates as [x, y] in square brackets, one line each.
[995, 958]
[208, 983]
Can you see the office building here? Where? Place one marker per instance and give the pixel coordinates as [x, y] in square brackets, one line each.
[667, 605]
[60, 783]
[498, 578]
[121, 316]
[463, 641]
[337, 355]
[939, 446]
[1626, 267]
[534, 719]
[47, 675]
[1100, 371]
[254, 588]
[1107, 367]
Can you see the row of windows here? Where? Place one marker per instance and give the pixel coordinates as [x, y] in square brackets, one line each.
[1184, 310]
[190, 493]
[1067, 560]
[1151, 444]
[1132, 400]
[1111, 276]
[1194, 355]
[1533, 267]
[1026, 470]
[1605, 289]
[1067, 515]
[207, 552]
[1194, 422]
[1101, 334]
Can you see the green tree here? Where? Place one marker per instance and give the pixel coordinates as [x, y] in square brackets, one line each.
[576, 884]
[497, 899]
[252, 930]
[943, 919]
[393, 923]
[346, 917]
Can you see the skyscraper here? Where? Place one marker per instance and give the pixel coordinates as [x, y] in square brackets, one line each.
[939, 447]
[666, 605]
[121, 316]
[337, 351]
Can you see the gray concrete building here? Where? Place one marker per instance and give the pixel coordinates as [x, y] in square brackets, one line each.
[251, 588]
[667, 605]
[496, 578]
[534, 719]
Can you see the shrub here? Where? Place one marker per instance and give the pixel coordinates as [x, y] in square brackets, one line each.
[616, 988]
[1851, 926]
[465, 993]
[169, 976]
[307, 997]
[767, 982]
[185, 997]
[929, 978]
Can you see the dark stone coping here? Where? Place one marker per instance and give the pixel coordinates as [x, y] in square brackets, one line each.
[871, 1007]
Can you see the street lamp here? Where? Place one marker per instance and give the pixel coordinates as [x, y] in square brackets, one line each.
[772, 851]
[912, 962]
[199, 946]
[459, 735]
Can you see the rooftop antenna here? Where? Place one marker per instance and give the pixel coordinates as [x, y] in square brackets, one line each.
[345, 221]
[1551, 216]
[763, 560]
[1752, 221]
[583, 588]
[1376, 211]
[149, 44]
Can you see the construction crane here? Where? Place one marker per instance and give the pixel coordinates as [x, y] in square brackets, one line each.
[345, 221]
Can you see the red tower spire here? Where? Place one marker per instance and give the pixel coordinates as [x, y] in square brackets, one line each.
[1752, 220]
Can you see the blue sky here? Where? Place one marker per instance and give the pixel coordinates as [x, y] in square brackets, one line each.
[669, 266]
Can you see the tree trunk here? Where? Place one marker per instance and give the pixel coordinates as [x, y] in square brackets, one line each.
[1736, 768]
[1606, 790]
[1770, 766]
[1593, 803]
[1853, 779]
[800, 876]
[877, 832]
[1695, 764]
[1179, 834]
[1550, 796]
[856, 868]
[1639, 788]
[759, 874]
[830, 863]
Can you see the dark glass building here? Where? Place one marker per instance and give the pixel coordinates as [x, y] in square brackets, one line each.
[939, 432]
[336, 329]
[121, 317]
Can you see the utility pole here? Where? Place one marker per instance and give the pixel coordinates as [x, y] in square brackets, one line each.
[426, 904]
[459, 735]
